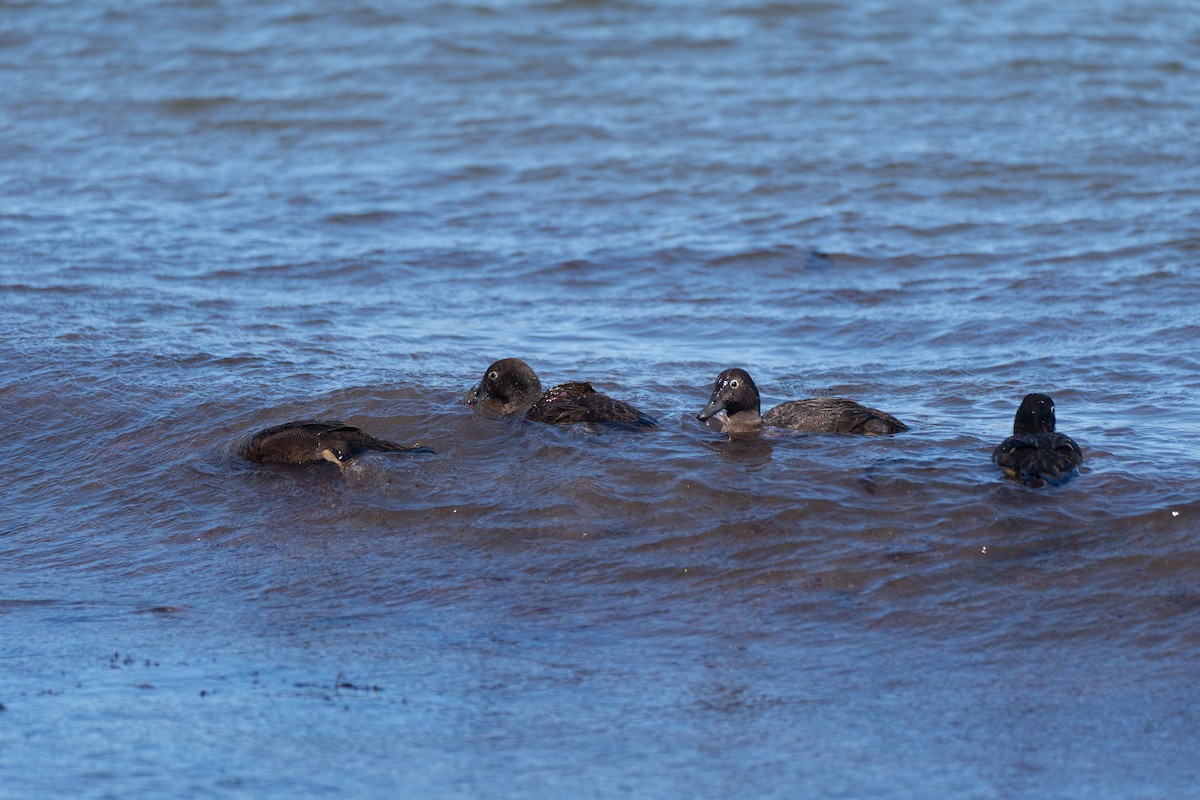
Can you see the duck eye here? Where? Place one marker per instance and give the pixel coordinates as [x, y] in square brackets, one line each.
[493, 375]
[733, 384]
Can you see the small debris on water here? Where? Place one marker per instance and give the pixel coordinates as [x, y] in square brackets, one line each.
[356, 688]
[342, 682]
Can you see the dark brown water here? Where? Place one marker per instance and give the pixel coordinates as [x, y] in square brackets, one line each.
[217, 218]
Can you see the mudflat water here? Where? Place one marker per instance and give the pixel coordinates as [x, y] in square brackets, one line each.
[221, 216]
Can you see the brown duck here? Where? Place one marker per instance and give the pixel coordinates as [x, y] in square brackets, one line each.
[1035, 454]
[315, 441]
[510, 386]
[736, 394]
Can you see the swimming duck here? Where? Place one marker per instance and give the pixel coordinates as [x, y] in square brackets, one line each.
[1035, 454]
[735, 393]
[314, 441]
[510, 386]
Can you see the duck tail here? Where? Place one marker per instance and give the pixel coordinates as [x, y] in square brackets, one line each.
[1050, 467]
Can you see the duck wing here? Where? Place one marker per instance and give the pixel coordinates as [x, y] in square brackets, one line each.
[579, 402]
[832, 415]
[1036, 458]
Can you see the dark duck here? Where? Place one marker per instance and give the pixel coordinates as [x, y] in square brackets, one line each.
[736, 394]
[510, 386]
[317, 441]
[1035, 454]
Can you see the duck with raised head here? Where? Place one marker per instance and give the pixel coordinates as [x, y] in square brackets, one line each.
[317, 441]
[1035, 453]
[736, 394]
[510, 386]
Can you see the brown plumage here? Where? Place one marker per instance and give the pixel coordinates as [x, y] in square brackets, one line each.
[314, 441]
[574, 402]
[510, 386]
[1035, 454]
[736, 394]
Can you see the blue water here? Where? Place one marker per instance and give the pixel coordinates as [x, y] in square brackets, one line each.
[219, 217]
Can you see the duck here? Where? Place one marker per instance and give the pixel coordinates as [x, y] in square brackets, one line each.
[318, 441]
[1036, 454]
[510, 386]
[735, 393]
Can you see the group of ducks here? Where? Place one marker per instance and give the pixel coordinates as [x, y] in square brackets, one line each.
[1034, 454]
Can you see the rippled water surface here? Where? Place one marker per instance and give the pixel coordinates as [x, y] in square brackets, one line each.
[218, 217]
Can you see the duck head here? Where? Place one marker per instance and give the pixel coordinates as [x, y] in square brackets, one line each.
[734, 392]
[508, 384]
[1036, 415]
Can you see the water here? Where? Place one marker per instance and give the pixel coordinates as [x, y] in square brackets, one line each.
[217, 217]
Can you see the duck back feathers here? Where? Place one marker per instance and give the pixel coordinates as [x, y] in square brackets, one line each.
[832, 415]
[579, 401]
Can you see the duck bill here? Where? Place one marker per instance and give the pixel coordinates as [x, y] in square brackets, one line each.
[714, 405]
[473, 397]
